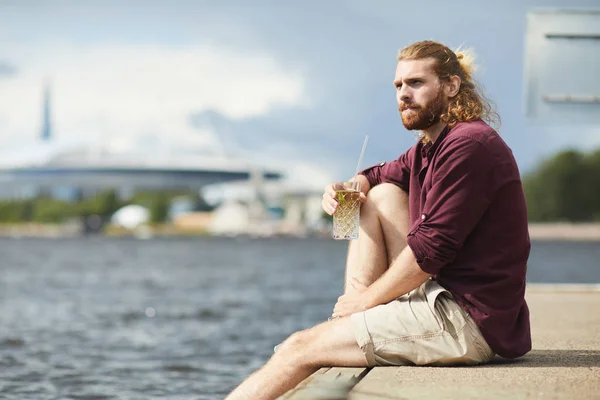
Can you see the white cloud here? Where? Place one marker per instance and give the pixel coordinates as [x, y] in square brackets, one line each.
[127, 95]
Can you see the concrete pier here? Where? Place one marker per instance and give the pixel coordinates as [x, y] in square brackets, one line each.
[564, 362]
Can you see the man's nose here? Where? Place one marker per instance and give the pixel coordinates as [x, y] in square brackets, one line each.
[404, 94]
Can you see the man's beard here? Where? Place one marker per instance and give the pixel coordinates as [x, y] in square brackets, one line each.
[422, 117]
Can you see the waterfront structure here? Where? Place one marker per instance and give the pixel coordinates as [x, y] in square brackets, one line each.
[83, 169]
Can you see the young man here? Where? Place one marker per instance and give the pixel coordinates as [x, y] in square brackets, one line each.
[437, 275]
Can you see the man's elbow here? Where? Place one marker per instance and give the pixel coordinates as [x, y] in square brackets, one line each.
[431, 255]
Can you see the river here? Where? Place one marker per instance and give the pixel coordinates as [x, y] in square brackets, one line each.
[179, 318]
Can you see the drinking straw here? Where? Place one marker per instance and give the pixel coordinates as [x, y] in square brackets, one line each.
[362, 153]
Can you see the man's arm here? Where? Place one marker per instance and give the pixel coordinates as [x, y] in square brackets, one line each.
[460, 194]
[403, 275]
[396, 172]
[462, 190]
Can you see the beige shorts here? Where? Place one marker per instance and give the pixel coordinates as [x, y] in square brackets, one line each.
[423, 327]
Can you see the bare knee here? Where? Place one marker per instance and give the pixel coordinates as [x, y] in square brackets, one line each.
[388, 205]
[297, 348]
[388, 193]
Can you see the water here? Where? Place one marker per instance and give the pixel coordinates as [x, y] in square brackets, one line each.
[189, 318]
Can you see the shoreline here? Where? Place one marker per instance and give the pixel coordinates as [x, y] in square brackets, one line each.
[565, 231]
[553, 231]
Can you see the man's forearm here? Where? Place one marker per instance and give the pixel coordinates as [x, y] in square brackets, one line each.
[403, 275]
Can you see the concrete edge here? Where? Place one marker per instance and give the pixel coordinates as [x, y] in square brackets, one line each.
[563, 287]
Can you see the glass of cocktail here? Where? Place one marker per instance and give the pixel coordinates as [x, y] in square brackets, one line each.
[347, 214]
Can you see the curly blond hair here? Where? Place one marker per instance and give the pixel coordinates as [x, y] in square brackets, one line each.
[470, 103]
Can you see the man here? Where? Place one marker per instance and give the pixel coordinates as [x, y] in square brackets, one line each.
[437, 275]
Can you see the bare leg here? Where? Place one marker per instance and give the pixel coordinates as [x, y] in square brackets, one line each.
[302, 354]
[384, 226]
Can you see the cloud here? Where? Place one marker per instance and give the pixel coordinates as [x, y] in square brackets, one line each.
[131, 94]
[324, 74]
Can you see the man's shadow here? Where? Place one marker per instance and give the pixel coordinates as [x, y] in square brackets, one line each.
[551, 358]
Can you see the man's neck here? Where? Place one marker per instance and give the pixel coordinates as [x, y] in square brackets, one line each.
[433, 132]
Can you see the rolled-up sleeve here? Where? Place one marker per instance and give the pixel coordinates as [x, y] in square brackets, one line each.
[460, 194]
[396, 172]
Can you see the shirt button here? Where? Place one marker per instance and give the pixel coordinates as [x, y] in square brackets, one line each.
[423, 217]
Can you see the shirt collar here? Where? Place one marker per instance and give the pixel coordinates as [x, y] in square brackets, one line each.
[428, 149]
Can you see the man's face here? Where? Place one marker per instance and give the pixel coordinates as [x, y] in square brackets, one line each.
[420, 96]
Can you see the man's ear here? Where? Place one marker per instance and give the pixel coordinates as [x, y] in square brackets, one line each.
[453, 86]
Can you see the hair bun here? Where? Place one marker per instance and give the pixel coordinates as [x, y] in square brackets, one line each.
[466, 59]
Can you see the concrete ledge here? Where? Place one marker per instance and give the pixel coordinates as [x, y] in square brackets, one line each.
[564, 362]
[563, 287]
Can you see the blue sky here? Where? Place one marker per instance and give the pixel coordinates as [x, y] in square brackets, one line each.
[298, 83]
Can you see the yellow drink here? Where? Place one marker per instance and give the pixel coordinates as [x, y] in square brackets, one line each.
[346, 217]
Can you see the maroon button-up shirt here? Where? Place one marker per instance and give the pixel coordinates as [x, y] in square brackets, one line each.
[469, 226]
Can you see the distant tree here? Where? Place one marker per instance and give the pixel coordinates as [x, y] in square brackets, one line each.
[12, 211]
[48, 210]
[593, 198]
[103, 204]
[159, 208]
[565, 187]
[108, 203]
[27, 210]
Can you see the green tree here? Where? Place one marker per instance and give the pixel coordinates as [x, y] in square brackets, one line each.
[159, 208]
[27, 210]
[593, 198]
[564, 187]
[48, 210]
[103, 204]
[14, 211]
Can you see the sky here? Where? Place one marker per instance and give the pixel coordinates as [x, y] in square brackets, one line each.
[295, 85]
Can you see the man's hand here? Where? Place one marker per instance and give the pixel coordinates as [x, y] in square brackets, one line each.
[352, 302]
[330, 203]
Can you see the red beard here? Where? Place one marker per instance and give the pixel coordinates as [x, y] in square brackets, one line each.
[422, 117]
